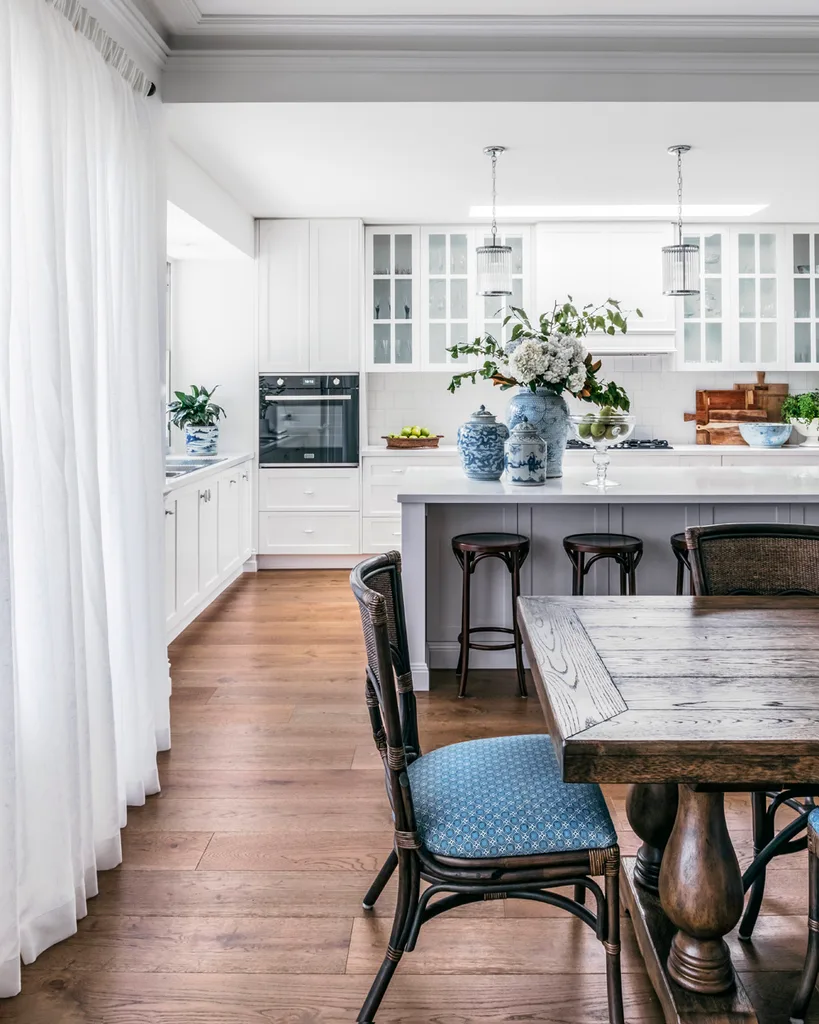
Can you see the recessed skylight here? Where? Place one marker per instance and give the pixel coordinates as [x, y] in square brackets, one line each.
[626, 211]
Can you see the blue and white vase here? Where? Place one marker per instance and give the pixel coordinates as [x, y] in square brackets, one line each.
[549, 415]
[525, 455]
[480, 446]
[201, 440]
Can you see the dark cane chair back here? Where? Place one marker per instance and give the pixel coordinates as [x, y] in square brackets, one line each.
[760, 559]
[376, 584]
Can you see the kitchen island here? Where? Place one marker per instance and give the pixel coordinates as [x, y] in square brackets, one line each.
[650, 503]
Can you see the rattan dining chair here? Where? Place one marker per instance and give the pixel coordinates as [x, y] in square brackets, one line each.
[480, 820]
[760, 559]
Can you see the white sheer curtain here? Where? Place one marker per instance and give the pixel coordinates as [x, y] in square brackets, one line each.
[83, 671]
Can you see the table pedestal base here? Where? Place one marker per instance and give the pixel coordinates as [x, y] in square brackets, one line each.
[654, 936]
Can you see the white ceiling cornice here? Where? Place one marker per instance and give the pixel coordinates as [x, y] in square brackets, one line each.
[138, 29]
[187, 18]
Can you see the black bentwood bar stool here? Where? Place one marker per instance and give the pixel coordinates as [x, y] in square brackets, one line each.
[487, 819]
[679, 546]
[469, 549]
[626, 552]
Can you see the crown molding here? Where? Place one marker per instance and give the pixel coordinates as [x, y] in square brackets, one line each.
[125, 14]
[457, 62]
[494, 27]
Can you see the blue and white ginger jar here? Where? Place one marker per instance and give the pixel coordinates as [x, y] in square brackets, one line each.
[549, 415]
[480, 446]
[525, 455]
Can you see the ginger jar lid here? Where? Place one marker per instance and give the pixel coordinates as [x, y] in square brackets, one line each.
[483, 416]
[524, 431]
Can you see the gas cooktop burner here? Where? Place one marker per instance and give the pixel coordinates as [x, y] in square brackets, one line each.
[630, 445]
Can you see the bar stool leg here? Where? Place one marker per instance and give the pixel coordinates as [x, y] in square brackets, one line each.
[623, 562]
[578, 573]
[463, 661]
[680, 576]
[632, 575]
[518, 645]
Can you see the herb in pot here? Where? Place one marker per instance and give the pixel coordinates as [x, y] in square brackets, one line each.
[801, 407]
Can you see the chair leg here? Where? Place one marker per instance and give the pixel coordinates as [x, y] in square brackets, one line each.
[614, 980]
[518, 644]
[463, 661]
[408, 890]
[381, 879]
[811, 969]
[680, 576]
[580, 894]
[763, 834]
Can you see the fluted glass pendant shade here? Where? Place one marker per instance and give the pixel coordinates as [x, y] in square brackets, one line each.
[681, 269]
[494, 270]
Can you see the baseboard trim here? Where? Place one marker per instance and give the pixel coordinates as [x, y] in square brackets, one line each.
[183, 624]
[307, 561]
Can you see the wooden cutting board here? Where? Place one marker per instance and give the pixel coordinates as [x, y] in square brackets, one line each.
[719, 412]
[766, 396]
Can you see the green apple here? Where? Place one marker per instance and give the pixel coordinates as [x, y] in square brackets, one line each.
[584, 429]
[608, 411]
[416, 431]
[424, 432]
[406, 432]
[597, 430]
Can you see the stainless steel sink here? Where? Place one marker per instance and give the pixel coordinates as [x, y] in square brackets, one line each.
[180, 465]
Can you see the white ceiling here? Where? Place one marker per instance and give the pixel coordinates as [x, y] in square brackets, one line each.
[189, 239]
[423, 163]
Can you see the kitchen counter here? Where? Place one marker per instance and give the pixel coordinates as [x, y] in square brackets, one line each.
[450, 450]
[652, 503]
[657, 484]
[216, 463]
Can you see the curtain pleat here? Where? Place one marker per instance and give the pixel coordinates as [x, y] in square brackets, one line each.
[83, 670]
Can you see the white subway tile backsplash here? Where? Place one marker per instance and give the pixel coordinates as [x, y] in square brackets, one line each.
[659, 396]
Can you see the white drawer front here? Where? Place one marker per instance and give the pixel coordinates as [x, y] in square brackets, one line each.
[384, 478]
[381, 535]
[305, 533]
[321, 489]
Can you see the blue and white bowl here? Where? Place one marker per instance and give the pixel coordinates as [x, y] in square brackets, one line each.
[765, 435]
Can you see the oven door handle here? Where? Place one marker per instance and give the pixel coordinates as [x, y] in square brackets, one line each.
[308, 398]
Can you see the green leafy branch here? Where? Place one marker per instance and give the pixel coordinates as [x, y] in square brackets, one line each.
[195, 409]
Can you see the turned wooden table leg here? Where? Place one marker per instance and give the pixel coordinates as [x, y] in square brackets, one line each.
[651, 810]
[701, 892]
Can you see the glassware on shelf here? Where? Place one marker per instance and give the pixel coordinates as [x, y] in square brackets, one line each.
[600, 430]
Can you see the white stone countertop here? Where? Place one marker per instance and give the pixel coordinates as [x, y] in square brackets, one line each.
[373, 450]
[217, 463]
[664, 485]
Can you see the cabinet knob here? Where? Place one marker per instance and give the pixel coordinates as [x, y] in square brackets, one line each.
[233, 480]
[169, 512]
[203, 495]
[244, 476]
[308, 491]
[308, 531]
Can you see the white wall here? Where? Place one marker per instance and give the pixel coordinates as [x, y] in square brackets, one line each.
[213, 342]
[194, 191]
[659, 397]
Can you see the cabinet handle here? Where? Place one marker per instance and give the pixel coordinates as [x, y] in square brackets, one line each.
[209, 494]
[203, 495]
[396, 533]
[309, 531]
[309, 492]
[244, 476]
[233, 480]
[169, 512]
[399, 471]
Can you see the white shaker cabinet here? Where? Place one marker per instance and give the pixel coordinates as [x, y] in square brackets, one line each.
[309, 295]
[208, 537]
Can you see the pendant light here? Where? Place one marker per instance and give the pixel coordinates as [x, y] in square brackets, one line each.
[494, 261]
[681, 262]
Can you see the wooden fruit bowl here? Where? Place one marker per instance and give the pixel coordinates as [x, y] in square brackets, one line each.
[413, 442]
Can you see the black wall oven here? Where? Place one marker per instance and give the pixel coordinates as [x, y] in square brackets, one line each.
[308, 420]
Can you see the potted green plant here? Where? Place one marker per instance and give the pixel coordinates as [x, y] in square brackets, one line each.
[543, 359]
[803, 412]
[199, 417]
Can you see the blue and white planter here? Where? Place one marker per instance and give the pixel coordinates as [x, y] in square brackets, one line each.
[480, 446]
[202, 440]
[549, 415]
[525, 456]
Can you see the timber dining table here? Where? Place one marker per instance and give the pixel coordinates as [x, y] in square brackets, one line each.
[682, 698]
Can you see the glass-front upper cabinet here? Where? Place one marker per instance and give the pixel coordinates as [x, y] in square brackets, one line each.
[803, 253]
[704, 341]
[393, 298]
[756, 283]
[491, 310]
[448, 264]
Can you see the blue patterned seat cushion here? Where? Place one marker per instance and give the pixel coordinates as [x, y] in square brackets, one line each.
[504, 797]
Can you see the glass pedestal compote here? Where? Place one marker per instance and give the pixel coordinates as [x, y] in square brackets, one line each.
[600, 431]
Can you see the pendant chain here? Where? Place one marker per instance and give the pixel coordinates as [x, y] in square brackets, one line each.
[494, 196]
[679, 197]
